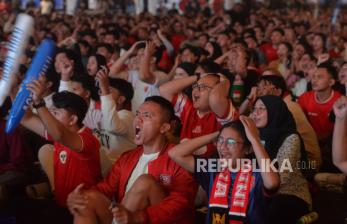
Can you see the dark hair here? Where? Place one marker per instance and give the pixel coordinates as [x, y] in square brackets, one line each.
[53, 77]
[330, 69]
[100, 60]
[290, 51]
[279, 30]
[237, 126]
[324, 40]
[305, 45]
[188, 67]
[72, 55]
[72, 103]
[108, 47]
[276, 80]
[87, 83]
[217, 50]
[210, 66]
[165, 105]
[124, 87]
[193, 49]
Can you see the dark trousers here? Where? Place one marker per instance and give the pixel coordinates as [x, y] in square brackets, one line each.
[285, 209]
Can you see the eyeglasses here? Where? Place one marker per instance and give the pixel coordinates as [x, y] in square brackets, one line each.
[258, 110]
[145, 114]
[201, 87]
[230, 142]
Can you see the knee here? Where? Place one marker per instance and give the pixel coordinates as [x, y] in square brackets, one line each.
[93, 197]
[144, 182]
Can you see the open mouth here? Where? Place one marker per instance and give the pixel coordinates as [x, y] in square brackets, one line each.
[137, 132]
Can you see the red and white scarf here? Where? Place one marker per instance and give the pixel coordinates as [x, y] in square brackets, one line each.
[219, 204]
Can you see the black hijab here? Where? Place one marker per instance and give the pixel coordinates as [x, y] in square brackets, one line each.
[280, 124]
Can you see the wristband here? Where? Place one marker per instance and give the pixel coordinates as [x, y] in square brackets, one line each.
[41, 104]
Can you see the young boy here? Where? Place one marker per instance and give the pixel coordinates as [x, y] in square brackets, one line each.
[209, 108]
[318, 103]
[145, 185]
[116, 133]
[76, 150]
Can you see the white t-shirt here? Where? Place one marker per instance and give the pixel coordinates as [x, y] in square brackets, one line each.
[141, 168]
[143, 90]
[116, 132]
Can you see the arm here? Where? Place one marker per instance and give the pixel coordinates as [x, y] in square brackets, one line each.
[111, 120]
[182, 153]
[219, 100]
[166, 43]
[271, 179]
[172, 73]
[248, 102]
[169, 89]
[54, 128]
[222, 58]
[66, 74]
[340, 134]
[117, 66]
[33, 123]
[145, 74]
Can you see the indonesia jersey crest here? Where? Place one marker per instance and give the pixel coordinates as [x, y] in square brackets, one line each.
[63, 157]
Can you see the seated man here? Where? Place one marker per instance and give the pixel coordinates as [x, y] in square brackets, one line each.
[145, 185]
[76, 150]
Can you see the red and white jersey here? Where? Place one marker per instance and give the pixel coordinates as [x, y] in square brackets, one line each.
[72, 168]
[195, 125]
[318, 113]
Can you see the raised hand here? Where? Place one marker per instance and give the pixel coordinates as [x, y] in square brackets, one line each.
[340, 108]
[102, 78]
[150, 48]
[37, 88]
[134, 46]
[251, 129]
[66, 70]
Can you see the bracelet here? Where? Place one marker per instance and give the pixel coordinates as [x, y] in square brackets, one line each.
[41, 104]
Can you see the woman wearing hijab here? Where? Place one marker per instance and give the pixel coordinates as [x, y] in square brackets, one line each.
[282, 142]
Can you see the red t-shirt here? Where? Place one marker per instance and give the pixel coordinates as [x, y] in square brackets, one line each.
[318, 113]
[194, 125]
[72, 168]
[176, 40]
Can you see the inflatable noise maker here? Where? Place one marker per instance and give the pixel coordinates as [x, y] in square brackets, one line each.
[38, 67]
[18, 42]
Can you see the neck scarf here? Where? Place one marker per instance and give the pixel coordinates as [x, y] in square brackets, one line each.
[233, 211]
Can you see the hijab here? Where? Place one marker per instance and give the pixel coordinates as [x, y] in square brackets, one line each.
[280, 124]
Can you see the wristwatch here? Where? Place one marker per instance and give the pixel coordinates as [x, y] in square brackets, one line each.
[41, 104]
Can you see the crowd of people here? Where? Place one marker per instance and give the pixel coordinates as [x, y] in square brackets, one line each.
[132, 105]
